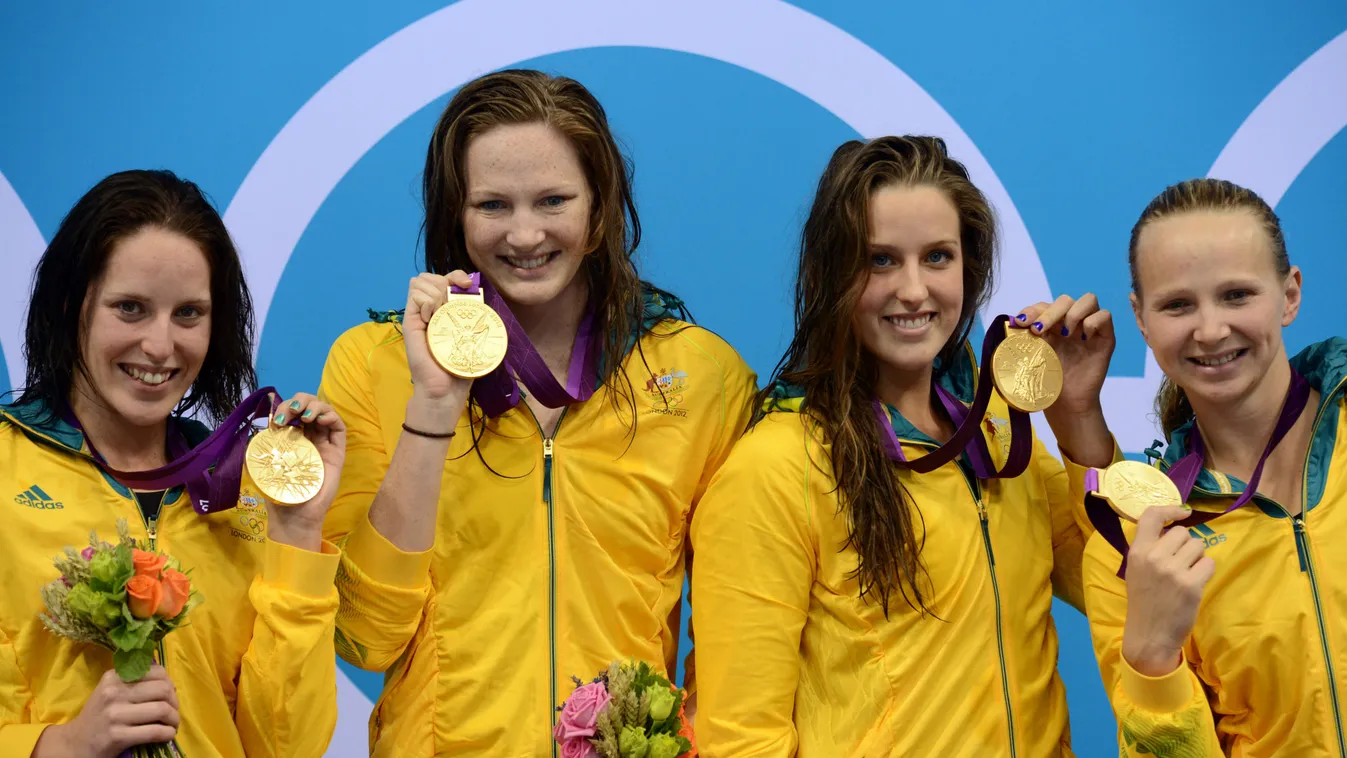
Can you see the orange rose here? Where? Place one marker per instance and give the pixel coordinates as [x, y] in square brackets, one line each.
[177, 588]
[143, 595]
[147, 564]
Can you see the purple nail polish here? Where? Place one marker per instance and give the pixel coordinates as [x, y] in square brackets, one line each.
[1038, 326]
[1082, 335]
[1065, 331]
[1021, 317]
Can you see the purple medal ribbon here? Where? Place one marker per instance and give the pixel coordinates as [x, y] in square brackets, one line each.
[967, 435]
[212, 471]
[1185, 471]
[498, 391]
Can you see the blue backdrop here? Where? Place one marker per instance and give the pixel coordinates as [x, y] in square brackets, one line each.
[308, 121]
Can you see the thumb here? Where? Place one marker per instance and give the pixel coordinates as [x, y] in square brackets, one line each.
[1154, 520]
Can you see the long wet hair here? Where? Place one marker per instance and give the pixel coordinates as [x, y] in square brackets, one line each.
[523, 96]
[1171, 403]
[827, 359]
[116, 209]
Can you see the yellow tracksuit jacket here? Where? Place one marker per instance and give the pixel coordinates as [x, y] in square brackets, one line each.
[1266, 664]
[254, 666]
[569, 555]
[791, 661]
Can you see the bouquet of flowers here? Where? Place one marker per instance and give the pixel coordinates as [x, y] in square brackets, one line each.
[628, 711]
[123, 598]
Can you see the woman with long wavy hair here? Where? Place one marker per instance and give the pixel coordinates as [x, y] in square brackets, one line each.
[845, 604]
[507, 533]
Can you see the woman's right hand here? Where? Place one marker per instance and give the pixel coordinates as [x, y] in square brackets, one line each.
[430, 382]
[1167, 571]
[116, 716]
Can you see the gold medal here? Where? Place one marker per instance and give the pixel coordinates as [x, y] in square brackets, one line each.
[1131, 487]
[285, 465]
[467, 338]
[1026, 371]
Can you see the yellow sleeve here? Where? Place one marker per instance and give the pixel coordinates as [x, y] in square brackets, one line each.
[756, 563]
[348, 387]
[17, 734]
[383, 590]
[739, 386]
[1071, 527]
[1166, 715]
[287, 700]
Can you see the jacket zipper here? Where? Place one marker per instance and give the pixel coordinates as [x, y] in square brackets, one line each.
[151, 541]
[976, 491]
[549, 453]
[1307, 562]
[1303, 545]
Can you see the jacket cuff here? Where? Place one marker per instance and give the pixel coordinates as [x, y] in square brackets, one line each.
[303, 572]
[1159, 694]
[20, 739]
[1075, 472]
[384, 562]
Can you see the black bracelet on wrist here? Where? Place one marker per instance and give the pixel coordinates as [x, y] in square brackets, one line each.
[431, 435]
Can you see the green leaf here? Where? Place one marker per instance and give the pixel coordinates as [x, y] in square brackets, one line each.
[131, 635]
[132, 665]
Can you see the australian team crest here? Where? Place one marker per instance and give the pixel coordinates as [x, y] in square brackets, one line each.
[665, 391]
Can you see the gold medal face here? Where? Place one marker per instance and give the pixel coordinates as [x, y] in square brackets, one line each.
[1026, 371]
[1131, 487]
[285, 465]
[467, 338]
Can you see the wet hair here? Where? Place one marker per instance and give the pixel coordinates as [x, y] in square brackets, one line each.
[116, 209]
[1171, 404]
[827, 359]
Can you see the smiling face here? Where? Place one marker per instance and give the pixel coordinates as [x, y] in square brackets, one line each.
[914, 295]
[526, 212]
[146, 328]
[1211, 302]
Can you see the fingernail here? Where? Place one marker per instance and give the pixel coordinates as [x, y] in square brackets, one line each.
[294, 406]
[308, 413]
[1021, 317]
[1038, 326]
[280, 418]
[1065, 331]
[1082, 335]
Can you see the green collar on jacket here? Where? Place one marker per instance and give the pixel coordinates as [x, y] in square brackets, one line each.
[1324, 366]
[43, 425]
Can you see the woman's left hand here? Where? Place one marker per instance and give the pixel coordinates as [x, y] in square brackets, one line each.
[302, 525]
[1082, 334]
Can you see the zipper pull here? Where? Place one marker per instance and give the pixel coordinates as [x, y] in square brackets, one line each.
[547, 447]
[982, 511]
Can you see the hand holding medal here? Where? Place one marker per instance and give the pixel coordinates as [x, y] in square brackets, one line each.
[296, 463]
[430, 356]
[1080, 335]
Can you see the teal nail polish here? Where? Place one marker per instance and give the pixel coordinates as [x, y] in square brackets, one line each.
[280, 418]
[308, 413]
[294, 406]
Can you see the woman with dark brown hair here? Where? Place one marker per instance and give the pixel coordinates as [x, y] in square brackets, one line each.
[845, 604]
[495, 553]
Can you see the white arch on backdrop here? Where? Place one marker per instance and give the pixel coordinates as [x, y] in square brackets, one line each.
[21, 244]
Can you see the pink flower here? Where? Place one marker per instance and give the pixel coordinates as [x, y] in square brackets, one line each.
[87, 553]
[578, 748]
[579, 715]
